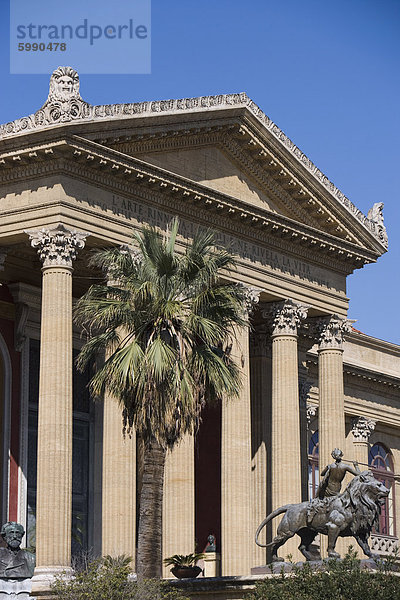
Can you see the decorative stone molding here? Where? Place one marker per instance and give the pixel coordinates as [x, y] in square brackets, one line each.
[64, 104]
[136, 256]
[87, 160]
[286, 316]
[3, 255]
[375, 215]
[252, 298]
[21, 319]
[331, 331]
[361, 428]
[304, 389]
[311, 412]
[384, 544]
[57, 247]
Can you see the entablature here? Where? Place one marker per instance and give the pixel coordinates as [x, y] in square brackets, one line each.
[84, 158]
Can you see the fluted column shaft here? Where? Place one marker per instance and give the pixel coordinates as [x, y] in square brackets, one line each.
[54, 468]
[285, 443]
[57, 248]
[285, 413]
[178, 501]
[331, 407]
[119, 484]
[331, 416]
[260, 379]
[236, 521]
[331, 392]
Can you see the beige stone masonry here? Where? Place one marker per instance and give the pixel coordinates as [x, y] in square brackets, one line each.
[285, 413]
[119, 484]
[361, 429]
[236, 520]
[178, 501]
[57, 248]
[211, 564]
[331, 398]
[260, 367]
[331, 393]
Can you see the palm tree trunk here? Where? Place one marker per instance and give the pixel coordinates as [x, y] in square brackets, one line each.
[149, 552]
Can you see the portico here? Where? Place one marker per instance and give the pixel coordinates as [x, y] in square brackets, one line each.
[86, 178]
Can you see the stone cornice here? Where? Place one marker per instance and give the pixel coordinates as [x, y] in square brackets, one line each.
[360, 338]
[363, 377]
[82, 156]
[223, 137]
[311, 185]
[368, 377]
[267, 167]
[45, 118]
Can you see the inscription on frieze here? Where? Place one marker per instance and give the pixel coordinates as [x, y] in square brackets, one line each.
[275, 261]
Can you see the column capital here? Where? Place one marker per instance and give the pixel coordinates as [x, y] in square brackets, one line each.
[57, 246]
[311, 412]
[112, 273]
[331, 331]
[362, 428]
[252, 297]
[286, 316]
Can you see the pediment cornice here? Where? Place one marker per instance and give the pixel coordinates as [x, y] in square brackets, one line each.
[263, 133]
[126, 175]
[225, 139]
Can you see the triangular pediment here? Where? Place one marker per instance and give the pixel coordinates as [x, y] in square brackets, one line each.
[216, 166]
[210, 166]
[225, 143]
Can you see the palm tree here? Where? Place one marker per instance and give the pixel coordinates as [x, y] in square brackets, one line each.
[165, 322]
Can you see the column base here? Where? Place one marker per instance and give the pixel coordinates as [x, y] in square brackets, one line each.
[43, 580]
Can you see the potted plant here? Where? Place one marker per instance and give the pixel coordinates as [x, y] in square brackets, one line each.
[184, 565]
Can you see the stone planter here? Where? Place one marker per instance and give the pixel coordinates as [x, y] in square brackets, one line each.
[186, 572]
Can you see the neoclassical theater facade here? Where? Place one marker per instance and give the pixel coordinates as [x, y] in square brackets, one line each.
[74, 177]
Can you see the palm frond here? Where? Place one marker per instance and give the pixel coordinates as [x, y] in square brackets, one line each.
[165, 322]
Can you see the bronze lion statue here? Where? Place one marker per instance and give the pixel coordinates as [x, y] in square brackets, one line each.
[352, 513]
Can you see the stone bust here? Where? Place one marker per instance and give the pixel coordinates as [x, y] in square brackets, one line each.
[211, 545]
[14, 562]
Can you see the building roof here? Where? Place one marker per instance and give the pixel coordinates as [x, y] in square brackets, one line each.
[65, 108]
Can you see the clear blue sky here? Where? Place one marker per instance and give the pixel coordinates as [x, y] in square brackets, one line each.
[327, 72]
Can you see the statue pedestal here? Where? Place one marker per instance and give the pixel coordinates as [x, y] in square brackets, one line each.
[15, 589]
[211, 564]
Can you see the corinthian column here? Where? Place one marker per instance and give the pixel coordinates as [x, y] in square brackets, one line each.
[236, 494]
[285, 413]
[57, 248]
[118, 532]
[119, 484]
[361, 429]
[331, 394]
[178, 501]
